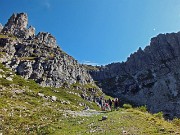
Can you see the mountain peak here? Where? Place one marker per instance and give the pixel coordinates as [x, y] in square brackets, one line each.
[17, 26]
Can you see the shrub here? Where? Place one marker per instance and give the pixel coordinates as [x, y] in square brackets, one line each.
[159, 115]
[142, 108]
[127, 106]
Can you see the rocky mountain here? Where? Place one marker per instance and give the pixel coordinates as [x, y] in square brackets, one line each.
[38, 57]
[149, 77]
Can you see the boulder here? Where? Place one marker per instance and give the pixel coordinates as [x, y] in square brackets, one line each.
[104, 117]
[53, 98]
[41, 94]
[9, 78]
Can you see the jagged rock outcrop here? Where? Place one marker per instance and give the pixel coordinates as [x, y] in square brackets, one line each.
[38, 57]
[149, 77]
[46, 38]
[17, 26]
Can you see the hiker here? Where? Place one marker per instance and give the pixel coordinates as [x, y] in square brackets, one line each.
[110, 103]
[107, 108]
[116, 103]
[100, 103]
[97, 100]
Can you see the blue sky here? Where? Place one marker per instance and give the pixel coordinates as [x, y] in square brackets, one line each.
[98, 31]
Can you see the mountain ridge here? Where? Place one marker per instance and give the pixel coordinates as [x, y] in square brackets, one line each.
[149, 77]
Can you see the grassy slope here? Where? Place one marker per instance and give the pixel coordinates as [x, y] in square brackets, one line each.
[22, 111]
[130, 121]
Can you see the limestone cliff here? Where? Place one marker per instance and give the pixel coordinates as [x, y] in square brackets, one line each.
[149, 77]
[38, 57]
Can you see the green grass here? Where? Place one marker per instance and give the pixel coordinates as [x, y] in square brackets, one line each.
[3, 68]
[7, 36]
[127, 106]
[3, 36]
[131, 121]
[27, 58]
[26, 112]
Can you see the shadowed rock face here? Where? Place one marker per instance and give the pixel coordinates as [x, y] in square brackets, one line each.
[37, 56]
[149, 77]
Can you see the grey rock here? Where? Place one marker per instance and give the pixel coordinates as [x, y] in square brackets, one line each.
[31, 32]
[18, 91]
[40, 94]
[17, 26]
[46, 39]
[9, 78]
[53, 98]
[25, 69]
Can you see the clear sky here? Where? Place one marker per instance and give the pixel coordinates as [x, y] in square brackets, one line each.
[98, 31]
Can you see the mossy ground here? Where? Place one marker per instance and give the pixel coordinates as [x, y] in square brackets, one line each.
[22, 111]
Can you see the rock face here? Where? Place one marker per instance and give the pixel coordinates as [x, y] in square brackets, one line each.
[149, 77]
[38, 57]
[46, 38]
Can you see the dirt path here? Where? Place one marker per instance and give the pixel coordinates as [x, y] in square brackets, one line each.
[86, 113]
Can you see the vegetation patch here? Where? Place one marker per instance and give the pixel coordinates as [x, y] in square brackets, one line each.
[27, 58]
[7, 36]
[90, 67]
[127, 106]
